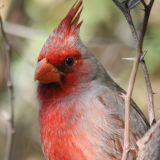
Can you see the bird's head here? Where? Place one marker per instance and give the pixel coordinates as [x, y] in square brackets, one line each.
[64, 60]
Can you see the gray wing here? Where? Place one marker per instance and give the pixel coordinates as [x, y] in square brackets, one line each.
[114, 127]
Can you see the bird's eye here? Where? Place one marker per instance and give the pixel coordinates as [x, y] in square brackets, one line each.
[69, 61]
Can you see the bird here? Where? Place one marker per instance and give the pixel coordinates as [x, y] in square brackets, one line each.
[81, 109]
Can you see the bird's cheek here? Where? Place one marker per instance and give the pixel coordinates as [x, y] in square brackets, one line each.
[70, 78]
[46, 73]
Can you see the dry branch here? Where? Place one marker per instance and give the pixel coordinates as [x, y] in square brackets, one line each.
[139, 39]
[10, 121]
[149, 145]
[147, 10]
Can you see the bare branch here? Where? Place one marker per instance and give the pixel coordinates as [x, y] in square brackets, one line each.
[23, 31]
[143, 65]
[149, 145]
[10, 120]
[139, 58]
[128, 108]
[126, 12]
[144, 3]
[132, 81]
[150, 94]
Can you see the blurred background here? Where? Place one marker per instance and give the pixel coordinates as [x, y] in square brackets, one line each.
[104, 31]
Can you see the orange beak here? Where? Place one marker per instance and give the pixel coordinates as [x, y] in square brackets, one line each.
[46, 73]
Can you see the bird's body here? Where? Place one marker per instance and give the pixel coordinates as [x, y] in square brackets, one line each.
[81, 107]
[88, 125]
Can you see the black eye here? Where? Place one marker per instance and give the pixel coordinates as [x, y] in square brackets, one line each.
[69, 61]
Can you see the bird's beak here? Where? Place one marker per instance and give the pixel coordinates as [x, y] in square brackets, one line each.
[46, 73]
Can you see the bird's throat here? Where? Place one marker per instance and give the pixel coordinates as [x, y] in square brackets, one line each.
[60, 132]
[66, 125]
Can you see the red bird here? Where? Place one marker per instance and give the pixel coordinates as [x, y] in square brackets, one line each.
[81, 111]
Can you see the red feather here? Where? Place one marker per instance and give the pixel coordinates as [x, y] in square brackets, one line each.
[70, 25]
[81, 113]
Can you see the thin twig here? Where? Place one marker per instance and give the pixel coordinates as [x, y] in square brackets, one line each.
[24, 31]
[142, 61]
[139, 58]
[151, 112]
[139, 42]
[150, 94]
[128, 108]
[132, 82]
[149, 144]
[126, 12]
[144, 3]
[124, 8]
[10, 126]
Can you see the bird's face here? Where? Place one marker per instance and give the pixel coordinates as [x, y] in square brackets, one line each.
[61, 63]
[62, 59]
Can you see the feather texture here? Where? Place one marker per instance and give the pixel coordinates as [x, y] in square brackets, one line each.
[81, 112]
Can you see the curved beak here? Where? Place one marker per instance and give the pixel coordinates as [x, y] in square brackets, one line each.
[46, 73]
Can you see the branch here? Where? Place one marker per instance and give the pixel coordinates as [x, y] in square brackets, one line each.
[139, 42]
[144, 3]
[10, 120]
[132, 81]
[126, 12]
[150, 94]
[23, 31]
[139, 58]
[143, 65]
[149, 145]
